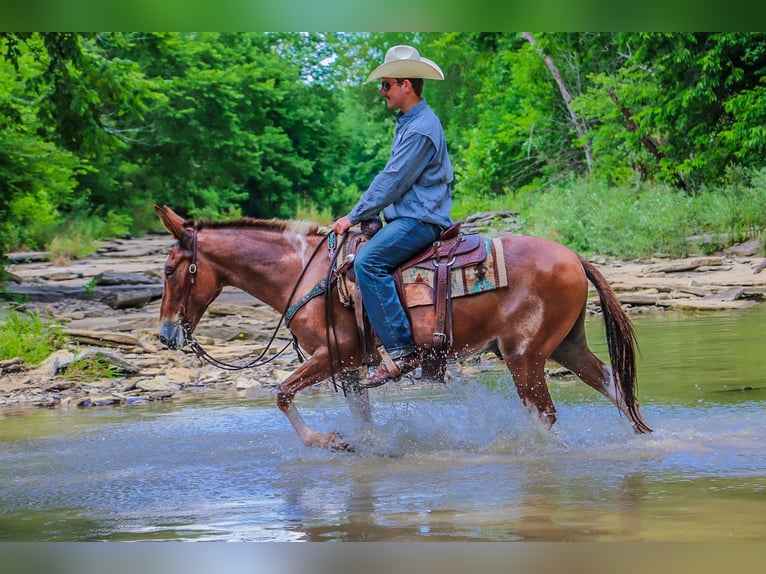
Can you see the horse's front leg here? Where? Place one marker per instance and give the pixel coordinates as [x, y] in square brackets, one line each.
[309, 373]
[357, 397]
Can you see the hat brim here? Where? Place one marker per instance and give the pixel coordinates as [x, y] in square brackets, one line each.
[407, 69]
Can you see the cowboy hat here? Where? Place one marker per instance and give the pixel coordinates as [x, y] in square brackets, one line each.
[406, 62]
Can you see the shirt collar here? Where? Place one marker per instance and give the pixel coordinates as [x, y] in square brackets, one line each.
[412, 112]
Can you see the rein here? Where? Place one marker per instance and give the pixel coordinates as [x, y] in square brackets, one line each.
[259, 361]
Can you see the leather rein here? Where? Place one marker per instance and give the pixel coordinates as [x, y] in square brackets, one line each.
[289, 313]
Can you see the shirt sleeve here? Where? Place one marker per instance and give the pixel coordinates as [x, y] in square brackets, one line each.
[407, 162]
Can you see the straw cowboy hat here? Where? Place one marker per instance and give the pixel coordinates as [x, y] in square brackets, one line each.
[406, 62]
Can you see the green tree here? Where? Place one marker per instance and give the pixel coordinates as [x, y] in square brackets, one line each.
[240, 128]
[680, 108]
[36, 176]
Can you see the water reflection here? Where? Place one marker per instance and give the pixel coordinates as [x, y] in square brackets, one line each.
[456, 463]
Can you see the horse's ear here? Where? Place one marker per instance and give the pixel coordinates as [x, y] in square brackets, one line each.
[173, 222]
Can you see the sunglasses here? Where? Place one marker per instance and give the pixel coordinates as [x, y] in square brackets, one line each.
[385, 86]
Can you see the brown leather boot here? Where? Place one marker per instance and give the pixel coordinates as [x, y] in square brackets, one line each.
[385, 373]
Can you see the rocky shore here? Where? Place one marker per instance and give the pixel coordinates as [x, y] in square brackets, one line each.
[108, 306]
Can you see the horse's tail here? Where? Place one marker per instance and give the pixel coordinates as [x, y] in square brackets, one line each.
[621, 341]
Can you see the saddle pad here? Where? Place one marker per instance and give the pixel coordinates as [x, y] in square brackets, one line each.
[471, 280]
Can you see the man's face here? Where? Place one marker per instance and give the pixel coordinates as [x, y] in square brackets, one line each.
[394, 92]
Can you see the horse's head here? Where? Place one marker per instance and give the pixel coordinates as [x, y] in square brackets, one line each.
[189, 287]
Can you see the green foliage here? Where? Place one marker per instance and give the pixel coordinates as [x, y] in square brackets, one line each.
[36, 177]
[90, 287]
[239, 126]
[630, 221]
[92, 368]
[27, 336]
[279, 125]
[310, 212]
[464, 205]
[79, 237]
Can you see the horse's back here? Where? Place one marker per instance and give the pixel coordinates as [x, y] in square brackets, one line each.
[542, 264]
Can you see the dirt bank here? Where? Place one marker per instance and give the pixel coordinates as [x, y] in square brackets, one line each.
[108, 305]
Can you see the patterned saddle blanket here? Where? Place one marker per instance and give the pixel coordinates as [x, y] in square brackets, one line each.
[472, 279]
[477, 269]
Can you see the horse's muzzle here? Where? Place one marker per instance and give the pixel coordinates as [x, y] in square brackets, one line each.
[172, 335]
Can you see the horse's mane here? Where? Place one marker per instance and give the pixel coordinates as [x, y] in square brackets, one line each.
[278, 225]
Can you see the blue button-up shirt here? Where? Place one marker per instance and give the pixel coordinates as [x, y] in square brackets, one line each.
[417, 180]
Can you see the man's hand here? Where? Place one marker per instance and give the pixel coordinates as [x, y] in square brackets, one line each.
[342, 225]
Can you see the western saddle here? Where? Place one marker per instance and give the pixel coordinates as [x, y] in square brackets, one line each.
[452, 250]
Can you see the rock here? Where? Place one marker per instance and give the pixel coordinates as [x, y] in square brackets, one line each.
[102, 339]
[13, 385]
[6, 275]
[158, 385]
[29, 256]
[59, 361]
[711, 305]
[280, 375]
[64, 276]
[645, 297]
[56, 363]
[728, 295]
[133, 297]
[747, 248]
[61, 386]
[692, 289]
[114, 295]
[99, 401]
[13, 365]
[112, 278]
[113, 359]
[180, 375]
[713, 268]
[92, 299]
[689, 264]
[243, 384]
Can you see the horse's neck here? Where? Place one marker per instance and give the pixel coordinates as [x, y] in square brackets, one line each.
[268, 265]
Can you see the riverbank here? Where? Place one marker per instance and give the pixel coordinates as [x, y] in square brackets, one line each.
[108, 305]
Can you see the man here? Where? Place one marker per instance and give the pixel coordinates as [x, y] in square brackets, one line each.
[414, 192]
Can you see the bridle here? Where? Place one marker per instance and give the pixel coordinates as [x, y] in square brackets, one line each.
[258, 361]
[183, 321]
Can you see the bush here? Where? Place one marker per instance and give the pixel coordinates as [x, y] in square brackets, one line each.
[465, 204]
[78, 238]
[640, 221]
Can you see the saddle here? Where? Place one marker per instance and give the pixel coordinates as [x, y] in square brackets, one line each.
[450, 251]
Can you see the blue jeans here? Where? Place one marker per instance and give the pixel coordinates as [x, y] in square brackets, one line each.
[394, 244]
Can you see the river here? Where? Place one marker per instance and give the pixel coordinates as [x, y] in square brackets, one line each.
[460, 462]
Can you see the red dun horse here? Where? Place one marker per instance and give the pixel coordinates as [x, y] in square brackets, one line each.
[540, 315]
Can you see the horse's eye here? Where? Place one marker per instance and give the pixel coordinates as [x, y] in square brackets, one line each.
[169, 271]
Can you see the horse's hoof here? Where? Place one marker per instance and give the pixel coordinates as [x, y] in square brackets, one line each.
[336, 443]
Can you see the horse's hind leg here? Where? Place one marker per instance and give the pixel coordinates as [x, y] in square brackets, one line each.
[529, 379]
[573, 353]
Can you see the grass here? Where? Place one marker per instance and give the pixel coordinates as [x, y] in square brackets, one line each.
[79, 238]
[635, 221]
[27, 336]
[92, 369]
[588, 216]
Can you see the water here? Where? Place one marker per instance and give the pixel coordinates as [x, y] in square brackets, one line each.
[462, 463]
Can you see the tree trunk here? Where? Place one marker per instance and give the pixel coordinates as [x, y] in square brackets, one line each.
[647, 142]
[578, 123]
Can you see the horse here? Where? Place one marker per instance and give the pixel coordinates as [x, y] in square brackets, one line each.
[539, 315]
